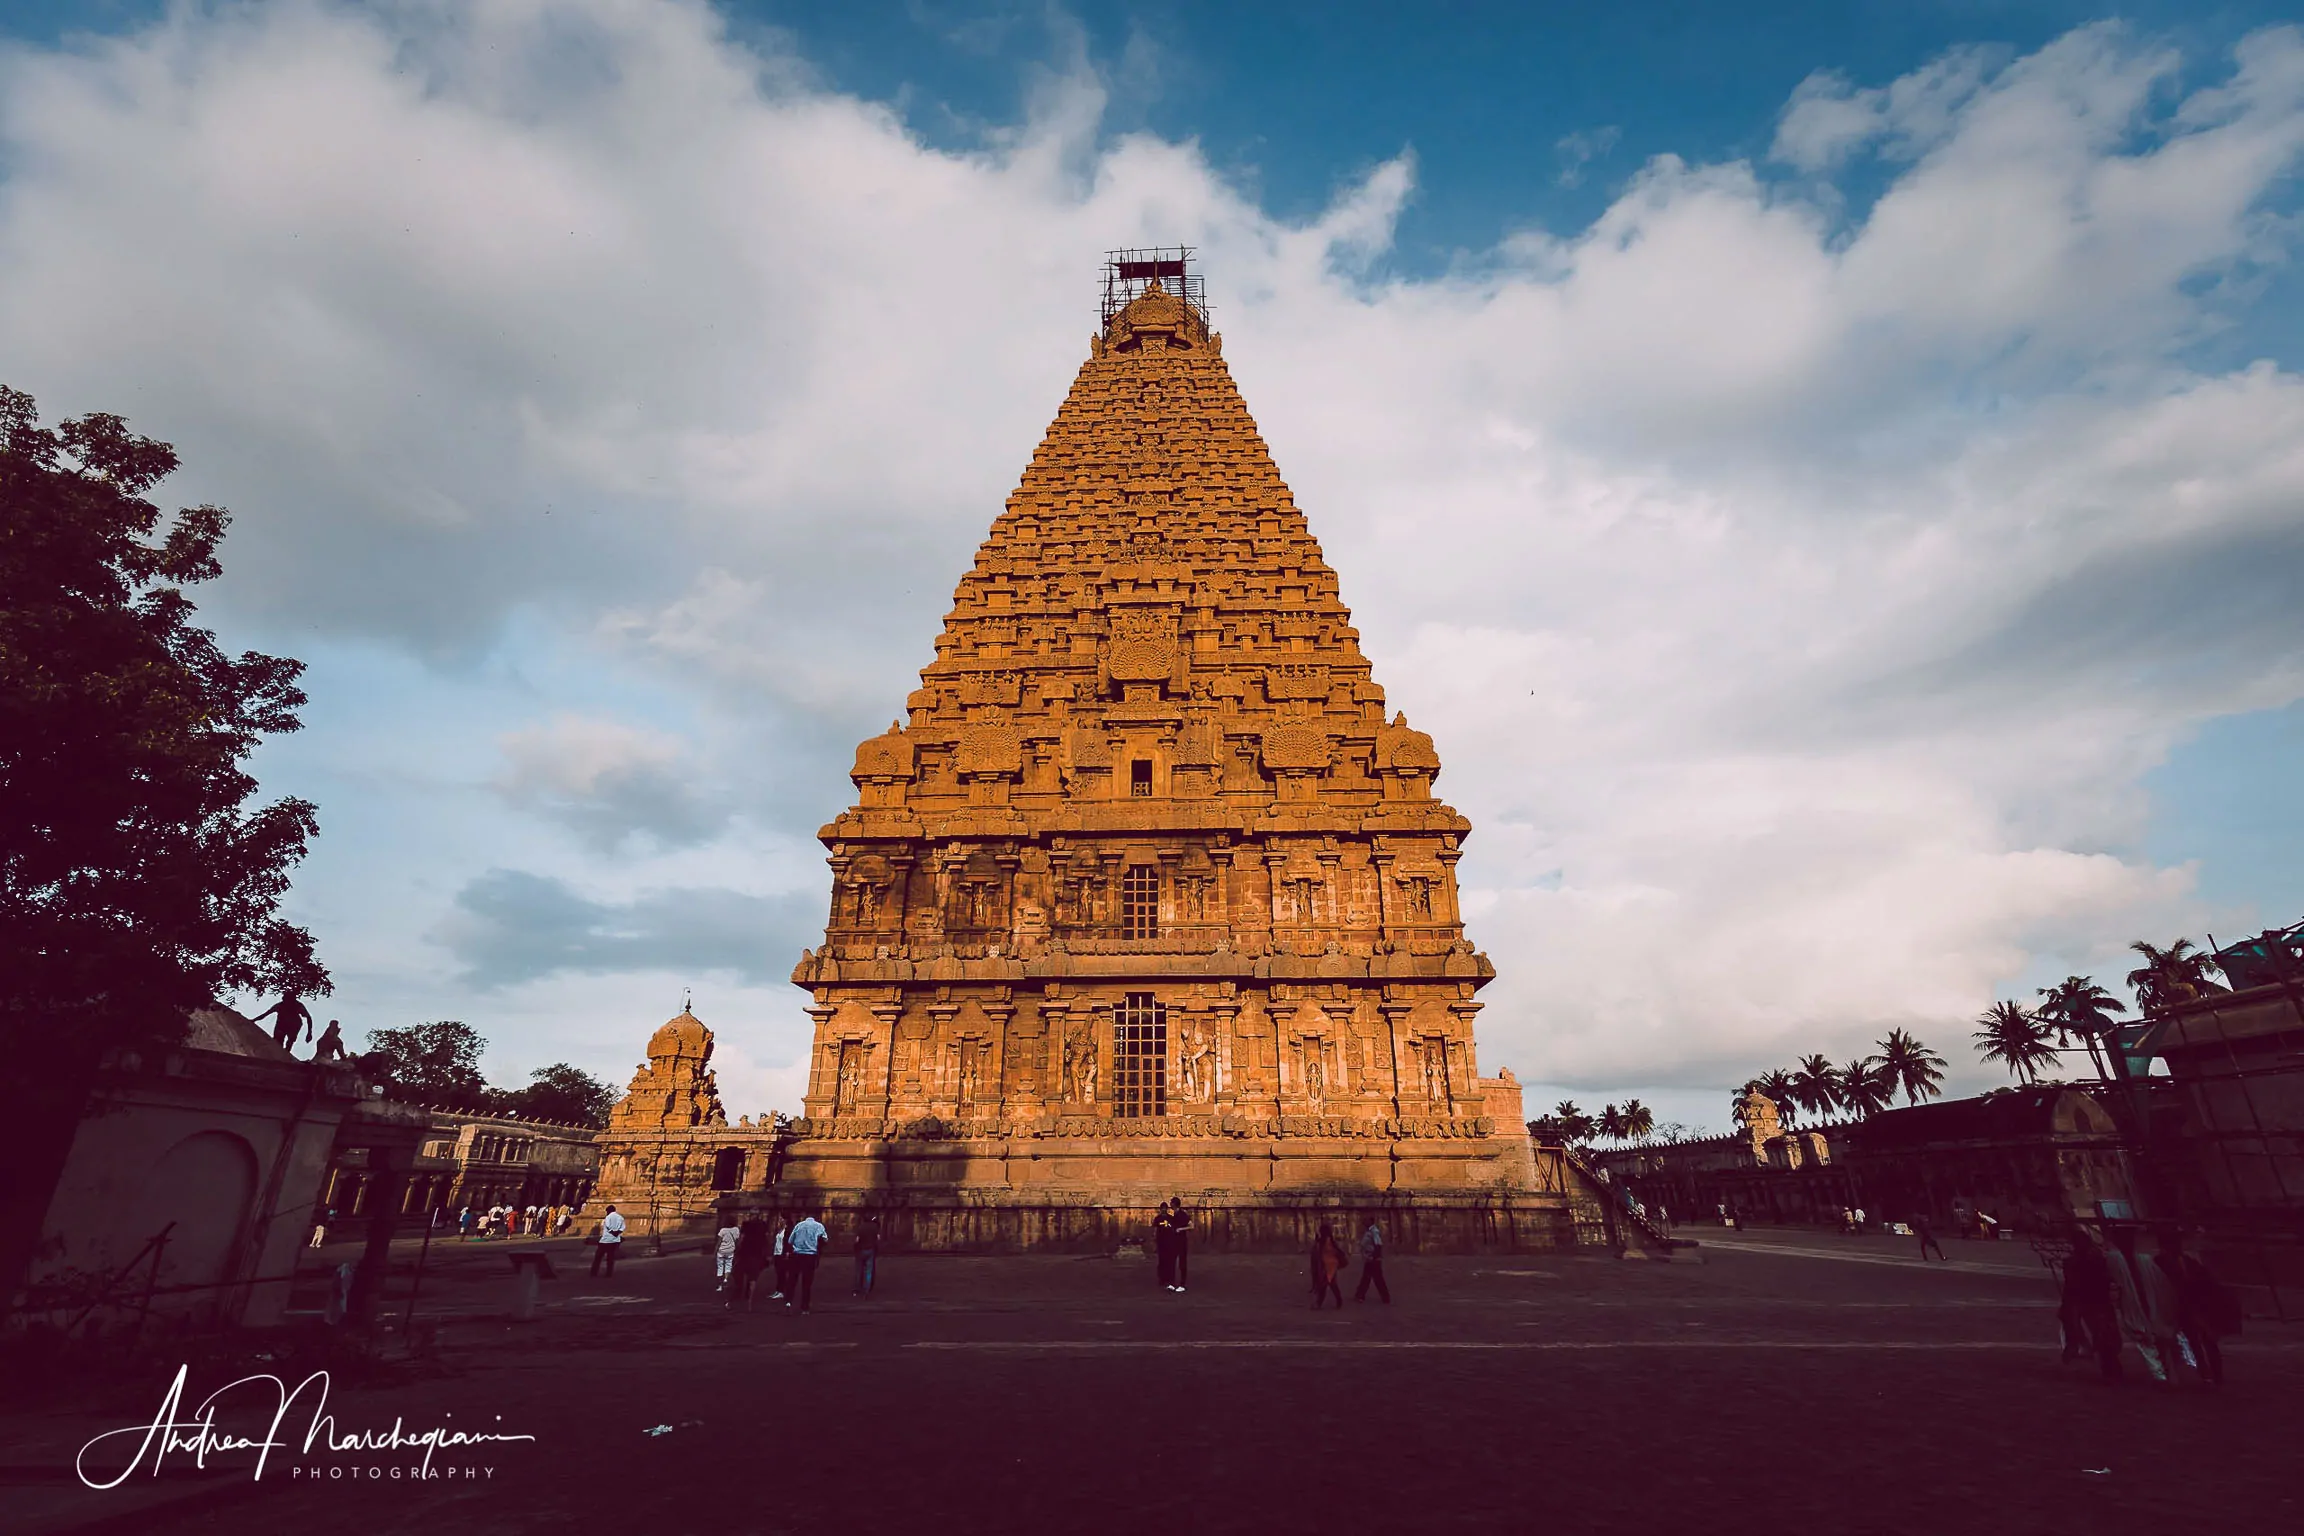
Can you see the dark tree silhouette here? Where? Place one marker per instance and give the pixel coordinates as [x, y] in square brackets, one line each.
[1816, 1085]
[429, 1064]
[1911, 1066]
[2169, 976]
[1778, 1086]
[2076, 1006]
[559, 1092]
[1866, 1086]
[137, 881]
[2013, 1036]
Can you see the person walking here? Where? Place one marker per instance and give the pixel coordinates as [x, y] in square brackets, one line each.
[1927, 1239]
[1164, 1246]
[806, 1242]
[1372, 1264]
[724, 1250]
[751, 1259]
[464, 1221]
[867, 1252]
[291, 1021]
[608, 1242]
[2205, 1310]
[1180, 1235]
[780, 1255]
[2086, 1309]
[2145, 1299]
[1327, 1264]
[567, 1219]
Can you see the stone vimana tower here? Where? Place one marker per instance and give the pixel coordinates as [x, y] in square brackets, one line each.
[1147, 894]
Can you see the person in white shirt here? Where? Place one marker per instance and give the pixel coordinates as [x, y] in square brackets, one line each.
[805, 1242]
[780, 1258]
[724, 1249]
[609, 1242]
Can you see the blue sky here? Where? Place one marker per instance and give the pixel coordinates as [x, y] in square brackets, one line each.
[1858, 440]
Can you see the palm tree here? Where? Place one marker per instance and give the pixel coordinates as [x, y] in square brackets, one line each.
[2169, 976]
[2015, 1037]
[1574, 1123]
[1816, 1085]
[1639, 1120]
[1778, 1086]
[1911, 1066]
[1865, 1087]
[1736, 1111]
[1612, 1123]
[2077, 1006]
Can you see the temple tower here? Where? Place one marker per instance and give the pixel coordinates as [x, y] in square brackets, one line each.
[1145, 894]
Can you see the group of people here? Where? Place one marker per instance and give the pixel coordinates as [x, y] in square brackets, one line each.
[1172, 1251]
[1329, 1261]
[792, 1248]
[510, 1221]
[1172, 1245]
[292, 1023]
[2166, 1305]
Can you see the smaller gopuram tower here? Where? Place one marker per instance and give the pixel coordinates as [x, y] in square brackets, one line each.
[668, 1154]
[1146, 893]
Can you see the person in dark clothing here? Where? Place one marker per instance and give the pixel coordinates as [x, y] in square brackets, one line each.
[1927, 1239]
[1180, 1239]
[291, 1021]
[2086, 1310]
[751, 1259]
[2205, 1310]
[1327, 1263]
[1164, 1247]
[867, 1253]
[1372, 1264]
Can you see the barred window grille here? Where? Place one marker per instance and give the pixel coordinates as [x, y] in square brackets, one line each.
[1139, 1057]
[1140, 902]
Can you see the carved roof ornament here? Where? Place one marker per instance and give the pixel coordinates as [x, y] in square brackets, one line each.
[1159, 319]
[990, 750]
[888, 756]
[1143, 647]
[682, 1035]
[1296, 747]
[1399, 748]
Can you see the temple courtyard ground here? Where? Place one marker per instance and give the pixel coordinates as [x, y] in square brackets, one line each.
[1768, 1380]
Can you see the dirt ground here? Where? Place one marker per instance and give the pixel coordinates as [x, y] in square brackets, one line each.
[1764, 1381]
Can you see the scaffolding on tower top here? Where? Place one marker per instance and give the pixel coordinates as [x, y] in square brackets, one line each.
[1128, 273]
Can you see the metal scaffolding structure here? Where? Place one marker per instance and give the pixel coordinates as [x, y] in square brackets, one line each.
[1128, 273]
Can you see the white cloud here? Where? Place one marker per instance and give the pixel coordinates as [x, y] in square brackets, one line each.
[607, 780]
[1578, 150]
[1796, 596]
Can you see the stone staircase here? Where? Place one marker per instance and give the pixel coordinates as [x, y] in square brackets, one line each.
[1605, 1214]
